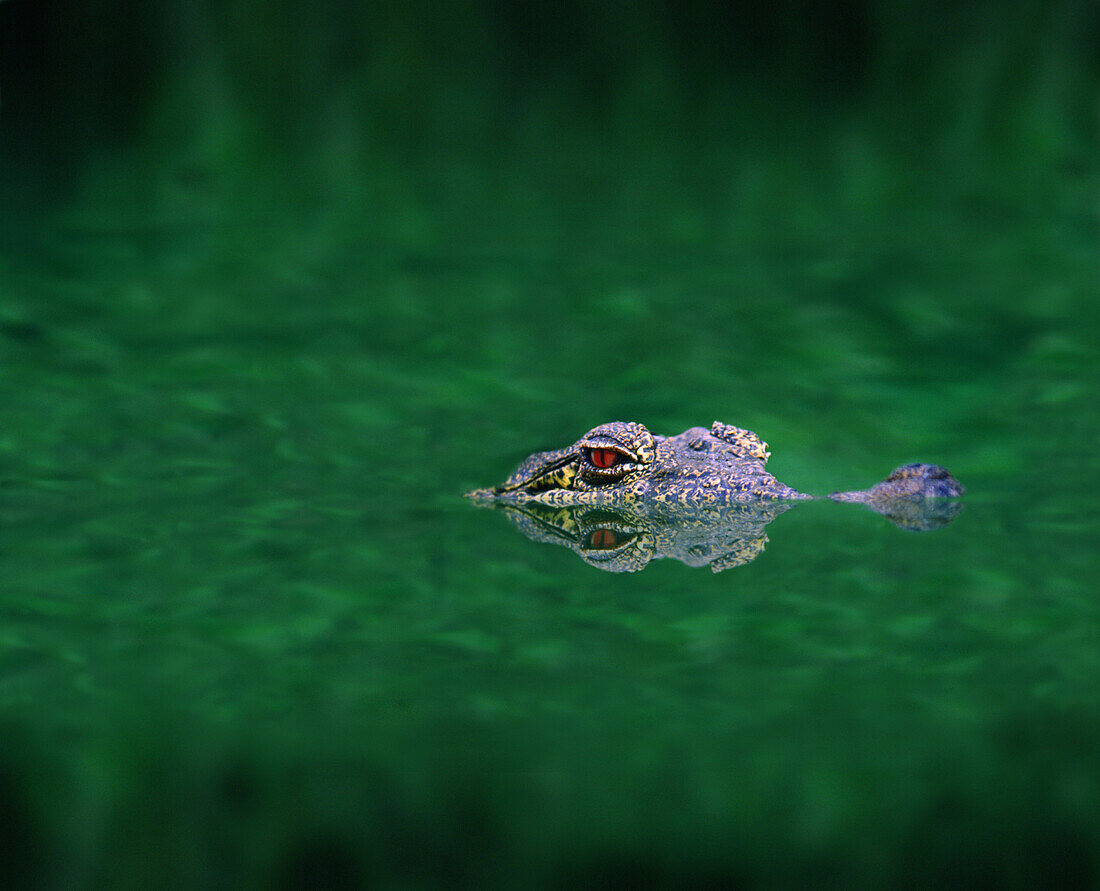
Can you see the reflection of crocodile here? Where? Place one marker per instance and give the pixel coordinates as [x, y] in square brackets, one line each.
[621, 496]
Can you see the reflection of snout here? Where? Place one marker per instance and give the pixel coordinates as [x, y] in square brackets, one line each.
[915, 513]
[919, 516]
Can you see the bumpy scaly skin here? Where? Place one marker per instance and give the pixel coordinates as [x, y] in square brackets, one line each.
[622, 463]
[620, 497]
[909, 482]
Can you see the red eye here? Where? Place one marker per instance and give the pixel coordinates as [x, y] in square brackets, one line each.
[604, 458]
[603, 540]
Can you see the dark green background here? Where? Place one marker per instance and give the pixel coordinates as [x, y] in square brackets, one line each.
[278, 282]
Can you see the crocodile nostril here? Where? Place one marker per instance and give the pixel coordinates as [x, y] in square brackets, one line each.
[699, 444]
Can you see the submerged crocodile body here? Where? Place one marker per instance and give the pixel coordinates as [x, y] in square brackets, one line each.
[621, 496]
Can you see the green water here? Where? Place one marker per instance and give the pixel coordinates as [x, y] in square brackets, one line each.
[265, 318]
[251, 629]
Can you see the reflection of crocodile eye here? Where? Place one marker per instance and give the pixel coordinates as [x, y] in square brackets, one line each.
[604, 458]
[603, 539]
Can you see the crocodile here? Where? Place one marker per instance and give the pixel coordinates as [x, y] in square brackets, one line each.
[620, 496]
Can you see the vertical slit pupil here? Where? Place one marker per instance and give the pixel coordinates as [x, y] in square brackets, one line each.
[603, 539]
[604, 458]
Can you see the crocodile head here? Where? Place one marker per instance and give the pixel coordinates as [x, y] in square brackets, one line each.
[623, 463]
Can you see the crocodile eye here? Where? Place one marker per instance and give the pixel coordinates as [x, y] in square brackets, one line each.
[604, 458]
[603, 539]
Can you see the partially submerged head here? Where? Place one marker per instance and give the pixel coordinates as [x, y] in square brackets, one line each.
[608, 456]
[622, 461]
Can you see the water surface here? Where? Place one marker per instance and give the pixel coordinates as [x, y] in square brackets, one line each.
[252, 630]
